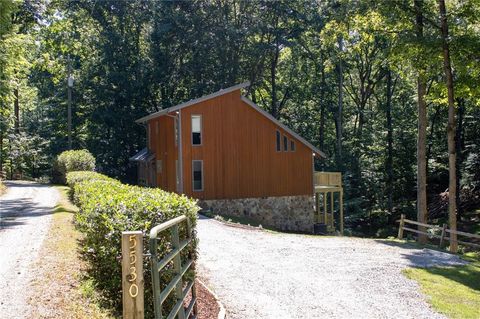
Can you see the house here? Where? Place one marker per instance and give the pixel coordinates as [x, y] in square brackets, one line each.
[232, 156]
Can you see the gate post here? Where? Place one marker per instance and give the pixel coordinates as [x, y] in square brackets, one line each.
[132, 275]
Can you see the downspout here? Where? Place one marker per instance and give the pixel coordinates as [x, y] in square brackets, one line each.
[180, 153]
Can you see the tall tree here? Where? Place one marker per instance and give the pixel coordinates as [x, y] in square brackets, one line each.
[422, 127]
[452, 184]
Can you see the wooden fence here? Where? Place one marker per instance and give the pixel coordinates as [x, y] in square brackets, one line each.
[444, 231]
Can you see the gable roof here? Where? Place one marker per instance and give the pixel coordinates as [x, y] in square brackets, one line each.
[283, 126]
[192, 102]
[244, 99]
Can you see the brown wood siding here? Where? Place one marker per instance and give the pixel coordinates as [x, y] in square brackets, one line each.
[162, 143]
[239, 153]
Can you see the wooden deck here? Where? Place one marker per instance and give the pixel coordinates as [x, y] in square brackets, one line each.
[327, 184]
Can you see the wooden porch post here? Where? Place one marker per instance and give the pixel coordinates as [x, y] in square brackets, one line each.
[341, 212]
[332, 210]
[325, 208]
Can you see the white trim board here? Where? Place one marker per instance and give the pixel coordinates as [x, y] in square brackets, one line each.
[192, 102]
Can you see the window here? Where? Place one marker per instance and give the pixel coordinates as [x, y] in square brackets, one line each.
[159, 166]
[285, 143]
[175, 124]
[177, 175]
[292, 145]
[278, 142]
[197, 175]
[196, 130]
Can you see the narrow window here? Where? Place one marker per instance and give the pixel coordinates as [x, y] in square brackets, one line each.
[196, 130]
[292, 145]
[175, 124]
[177, 175]
[159, 166]
[278, 142]
[197, 172]
[285, 143]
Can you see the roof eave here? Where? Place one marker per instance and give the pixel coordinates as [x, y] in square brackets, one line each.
[192, 102]
[283, 126]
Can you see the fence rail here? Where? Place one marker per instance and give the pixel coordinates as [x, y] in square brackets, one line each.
[176, 284]
[444, 231]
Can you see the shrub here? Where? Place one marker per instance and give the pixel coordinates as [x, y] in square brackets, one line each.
[69, 161]
[80, 176]
[108, 207]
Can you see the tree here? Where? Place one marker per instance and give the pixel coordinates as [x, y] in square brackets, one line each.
[422, 127]
[451, 127]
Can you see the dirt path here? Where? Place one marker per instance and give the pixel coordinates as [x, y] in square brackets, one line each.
[259, 274]
[25, 212]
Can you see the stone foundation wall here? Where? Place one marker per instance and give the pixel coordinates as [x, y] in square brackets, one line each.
[288, 213]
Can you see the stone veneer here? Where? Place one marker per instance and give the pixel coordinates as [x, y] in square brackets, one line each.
[288, 213]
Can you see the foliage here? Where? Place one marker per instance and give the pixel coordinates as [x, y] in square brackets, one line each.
[70, 161]
[26, 155]
[320, 67]
[107, 208]
[76, 177]
[453, 291]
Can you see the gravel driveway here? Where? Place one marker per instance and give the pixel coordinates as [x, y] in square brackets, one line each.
[25, 212]
[259, 274]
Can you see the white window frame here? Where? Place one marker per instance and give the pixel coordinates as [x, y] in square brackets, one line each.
[193, 176]
[284, 146]
[201, 129]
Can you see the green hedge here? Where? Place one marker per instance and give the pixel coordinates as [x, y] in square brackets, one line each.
[70, 161]
[108, 207]
[80, 176]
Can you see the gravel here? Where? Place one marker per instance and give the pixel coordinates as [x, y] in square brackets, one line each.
[25, 212]
[260, 274]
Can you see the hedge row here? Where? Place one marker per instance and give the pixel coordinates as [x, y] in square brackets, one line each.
[108, 207]
[70, 161]
[80, 176]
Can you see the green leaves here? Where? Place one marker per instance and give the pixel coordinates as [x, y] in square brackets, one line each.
[107, 208]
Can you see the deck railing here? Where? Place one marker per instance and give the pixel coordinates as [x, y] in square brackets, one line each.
[327, 179]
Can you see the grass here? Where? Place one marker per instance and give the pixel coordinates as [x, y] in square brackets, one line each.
[453, 291]
[61, 290]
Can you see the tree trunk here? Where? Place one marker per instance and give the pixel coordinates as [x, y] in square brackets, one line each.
[338, 118]
[422, 131]
[459, 143]
[452, 181]
[273, 78]
[16, 111]
[389, 162]
[321, 133]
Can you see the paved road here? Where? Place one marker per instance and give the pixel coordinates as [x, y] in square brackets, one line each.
[259, 274]
[25, 212]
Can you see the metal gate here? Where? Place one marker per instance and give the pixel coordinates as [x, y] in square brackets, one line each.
[179, 269]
